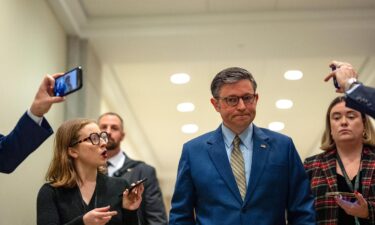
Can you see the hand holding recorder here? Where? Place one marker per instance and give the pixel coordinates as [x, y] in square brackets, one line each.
[132, 197]
[343, 75]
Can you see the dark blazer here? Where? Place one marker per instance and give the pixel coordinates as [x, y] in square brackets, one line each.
[152, 210]
[206, 192]
[66, 206]
[26, 137]
[362, 99]
[321, 170]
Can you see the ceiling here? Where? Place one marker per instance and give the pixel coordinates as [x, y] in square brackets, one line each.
[142, 42]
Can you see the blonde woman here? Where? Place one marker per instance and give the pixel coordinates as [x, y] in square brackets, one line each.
[343, 176]
[76, 191]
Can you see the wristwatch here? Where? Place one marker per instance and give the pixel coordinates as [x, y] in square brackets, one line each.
[350, 83]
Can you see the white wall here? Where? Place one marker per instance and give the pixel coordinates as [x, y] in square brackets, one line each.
[32, 43]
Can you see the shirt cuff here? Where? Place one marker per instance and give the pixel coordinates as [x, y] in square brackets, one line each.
[352, 88]
[36, 119]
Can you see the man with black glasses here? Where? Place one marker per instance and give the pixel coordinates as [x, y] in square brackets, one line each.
[239, 173]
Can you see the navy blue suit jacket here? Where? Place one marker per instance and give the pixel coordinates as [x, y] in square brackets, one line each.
[23, 140]
[206, 191]
[362, 99]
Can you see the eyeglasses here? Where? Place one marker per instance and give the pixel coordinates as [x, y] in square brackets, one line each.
[94, 138]
[234, 100]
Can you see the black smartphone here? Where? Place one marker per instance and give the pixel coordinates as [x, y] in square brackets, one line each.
[68, 83]
[335, 83]
[137, 184]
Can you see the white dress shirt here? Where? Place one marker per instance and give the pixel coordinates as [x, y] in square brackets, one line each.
[115, 163]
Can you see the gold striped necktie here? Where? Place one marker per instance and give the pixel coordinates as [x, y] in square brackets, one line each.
[238, 166]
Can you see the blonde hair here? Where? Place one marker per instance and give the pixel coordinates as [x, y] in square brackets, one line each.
[327, 142]
[61, 171]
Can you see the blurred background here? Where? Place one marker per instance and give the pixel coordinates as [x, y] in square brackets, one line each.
[129, 50]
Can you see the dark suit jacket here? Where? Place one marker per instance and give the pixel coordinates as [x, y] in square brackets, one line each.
[362, 99]
[152, 211]
[206, 192]
[321, 170]
[21, 142]
[65, 205]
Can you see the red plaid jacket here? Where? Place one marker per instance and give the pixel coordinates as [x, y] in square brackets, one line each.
[321, 170]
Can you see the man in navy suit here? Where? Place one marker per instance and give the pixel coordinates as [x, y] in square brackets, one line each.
[31, 130]
[358, 96]
[274, 187]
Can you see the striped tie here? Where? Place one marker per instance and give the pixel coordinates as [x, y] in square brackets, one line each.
[238, 166]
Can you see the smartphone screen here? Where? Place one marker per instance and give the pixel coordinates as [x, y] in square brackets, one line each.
[69, 82]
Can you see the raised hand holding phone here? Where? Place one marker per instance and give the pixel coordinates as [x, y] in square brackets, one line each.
[343, 76]
[44, 98]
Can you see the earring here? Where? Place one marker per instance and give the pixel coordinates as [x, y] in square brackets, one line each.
[364, 135]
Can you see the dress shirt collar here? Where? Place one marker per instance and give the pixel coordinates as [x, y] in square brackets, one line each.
[116, 161]
[246, 136]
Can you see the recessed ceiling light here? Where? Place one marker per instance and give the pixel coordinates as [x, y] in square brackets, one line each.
[185, 107]
[276, 126]
[180, 78]
[293, 74]
[284, 104]
[189, 128]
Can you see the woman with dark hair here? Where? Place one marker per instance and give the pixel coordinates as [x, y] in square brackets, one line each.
[76, 191]
[342, 177]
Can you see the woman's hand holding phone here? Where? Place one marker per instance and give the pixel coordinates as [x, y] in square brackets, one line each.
[132, 197]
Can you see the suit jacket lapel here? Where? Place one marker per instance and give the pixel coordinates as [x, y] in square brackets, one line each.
[329, 168]
[261, 149]
[126, 162]
[219, 157]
